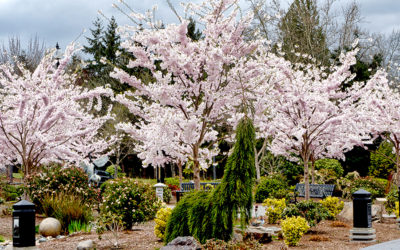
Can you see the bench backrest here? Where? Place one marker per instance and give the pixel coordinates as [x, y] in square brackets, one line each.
[316, 190]
[188, 186]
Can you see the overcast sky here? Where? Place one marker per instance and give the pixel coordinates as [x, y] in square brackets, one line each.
[63, 20]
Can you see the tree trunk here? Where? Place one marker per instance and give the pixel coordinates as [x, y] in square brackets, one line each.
[115, 171]
[257, 165]
[173, 170]
[312, 171]
[397, 179]
[196, 174]
[180, 173]
[306, 180]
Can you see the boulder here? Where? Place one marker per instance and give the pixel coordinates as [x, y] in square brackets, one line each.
[376, 212]
[85, 245]
[50, 227]
[183, 243]
[347, 213]
[260, 234]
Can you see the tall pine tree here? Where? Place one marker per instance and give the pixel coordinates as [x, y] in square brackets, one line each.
[301, 33]
[95, 48]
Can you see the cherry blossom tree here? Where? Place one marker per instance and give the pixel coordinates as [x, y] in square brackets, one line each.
[197, 83]
[313, 116]
[45, 118]
[383, 105]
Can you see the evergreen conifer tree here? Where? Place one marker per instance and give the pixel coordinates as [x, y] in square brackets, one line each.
[211, 215]
[111, 41]
[95, 47]
[301, 33]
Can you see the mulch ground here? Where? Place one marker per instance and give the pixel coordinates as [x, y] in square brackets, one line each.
[323, 236]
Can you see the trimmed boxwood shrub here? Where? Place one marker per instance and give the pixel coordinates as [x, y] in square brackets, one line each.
[274, 186]
[293, 229]
[312, 211]
[133, 200]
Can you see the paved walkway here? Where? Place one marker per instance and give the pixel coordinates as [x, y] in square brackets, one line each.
[389, 245]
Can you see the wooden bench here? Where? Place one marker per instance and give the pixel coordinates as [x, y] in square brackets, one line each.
[316, 190]
[189, 186]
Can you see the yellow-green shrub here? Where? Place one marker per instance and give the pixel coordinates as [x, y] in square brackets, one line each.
[396, 210]
[293, 229]
[161, 220]
[274, 209]
[334, 206]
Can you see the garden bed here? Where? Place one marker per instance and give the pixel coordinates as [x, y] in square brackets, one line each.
[142, 237]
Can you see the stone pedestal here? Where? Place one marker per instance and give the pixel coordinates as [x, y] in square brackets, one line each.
[366, 235]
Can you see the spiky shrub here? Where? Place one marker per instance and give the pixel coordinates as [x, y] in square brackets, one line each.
[161, 219]
[66, 208]
[207, 215]
[134, 201]
[333, 205]
[274, 209]
[293, 229]
[78, 226]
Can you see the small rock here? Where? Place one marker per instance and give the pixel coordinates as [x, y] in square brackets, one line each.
[237, 237]
[85, 245]
[60, 237]
[183, 243]
[43, 239]
[50, 227]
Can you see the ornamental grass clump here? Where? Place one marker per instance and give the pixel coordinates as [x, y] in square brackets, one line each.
[333, 205]
[66, 208]
[133, 200]
[161, 219]
[210, 215]
[293, 229]
[274, 209]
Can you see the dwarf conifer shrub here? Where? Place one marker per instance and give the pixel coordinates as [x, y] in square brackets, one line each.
[293, 229]
[134, 201]
[333, 205]
[161, 219]
[207, 215]
[274, 209]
